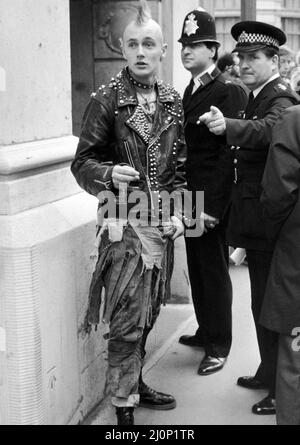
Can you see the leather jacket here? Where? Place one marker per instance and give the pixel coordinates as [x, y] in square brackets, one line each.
[113, 133]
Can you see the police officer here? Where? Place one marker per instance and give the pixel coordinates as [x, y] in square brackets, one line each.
[258, 48]
[207, 157]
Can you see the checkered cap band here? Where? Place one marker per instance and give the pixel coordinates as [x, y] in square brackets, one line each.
[246, 38]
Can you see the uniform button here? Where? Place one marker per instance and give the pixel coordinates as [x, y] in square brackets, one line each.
[235, 161]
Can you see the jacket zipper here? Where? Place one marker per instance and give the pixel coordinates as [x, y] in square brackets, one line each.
[146, 174]
[160, 133]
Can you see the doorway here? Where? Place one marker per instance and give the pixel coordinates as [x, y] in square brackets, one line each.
[96, 27]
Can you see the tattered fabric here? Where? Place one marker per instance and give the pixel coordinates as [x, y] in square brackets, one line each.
[135, 273]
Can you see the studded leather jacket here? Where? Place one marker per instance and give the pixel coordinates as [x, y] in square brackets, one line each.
[114, 132]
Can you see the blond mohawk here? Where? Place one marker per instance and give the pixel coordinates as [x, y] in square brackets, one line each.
[144, 13]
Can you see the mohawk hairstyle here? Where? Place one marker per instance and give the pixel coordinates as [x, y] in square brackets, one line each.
[144, 13]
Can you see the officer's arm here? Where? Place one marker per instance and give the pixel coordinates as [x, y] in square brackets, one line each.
[218, 197]
[256, 134]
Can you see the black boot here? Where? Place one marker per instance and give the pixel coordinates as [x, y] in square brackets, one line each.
[149, 398]
[125, 416]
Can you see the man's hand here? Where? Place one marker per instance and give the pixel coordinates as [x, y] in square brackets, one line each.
[214, 120]
[124, 174]
[209, 221]
[174, 229]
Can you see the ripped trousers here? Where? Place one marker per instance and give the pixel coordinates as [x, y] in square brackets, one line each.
[135, 273]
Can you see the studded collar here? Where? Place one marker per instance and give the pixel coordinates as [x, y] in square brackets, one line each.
[127, 93]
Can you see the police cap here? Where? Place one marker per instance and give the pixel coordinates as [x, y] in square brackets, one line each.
[253, 36]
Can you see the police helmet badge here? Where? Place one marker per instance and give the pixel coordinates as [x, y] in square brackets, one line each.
[191, 25]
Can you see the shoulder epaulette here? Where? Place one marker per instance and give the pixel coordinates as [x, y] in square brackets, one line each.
[282, 86]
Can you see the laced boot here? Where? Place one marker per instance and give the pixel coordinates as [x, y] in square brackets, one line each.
[149, 398]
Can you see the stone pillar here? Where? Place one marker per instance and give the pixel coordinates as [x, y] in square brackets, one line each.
[50, 371]
[248, 9]
[208, 5]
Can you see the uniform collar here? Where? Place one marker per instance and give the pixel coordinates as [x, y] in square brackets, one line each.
[197, 79]
[258, 90]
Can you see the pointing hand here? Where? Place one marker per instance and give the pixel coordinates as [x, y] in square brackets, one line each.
[214, 120]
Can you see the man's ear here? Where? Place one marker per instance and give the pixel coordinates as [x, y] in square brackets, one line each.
[163, 51]
[213, 52]
[276, 62]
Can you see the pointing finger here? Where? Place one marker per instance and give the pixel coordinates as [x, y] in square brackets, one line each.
[214, 110]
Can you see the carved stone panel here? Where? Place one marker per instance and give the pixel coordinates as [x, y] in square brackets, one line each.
[110, 20]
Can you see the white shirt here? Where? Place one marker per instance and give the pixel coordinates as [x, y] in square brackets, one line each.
[258, 90]
[197, 79]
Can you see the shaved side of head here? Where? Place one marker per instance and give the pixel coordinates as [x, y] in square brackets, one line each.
[150, 25]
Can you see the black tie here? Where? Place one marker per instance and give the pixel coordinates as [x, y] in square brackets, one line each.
[190, 87]
[188, 92]
[251, 98]
[250, 102]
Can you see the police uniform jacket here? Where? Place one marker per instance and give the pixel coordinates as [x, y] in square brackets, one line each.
[208, 156]
[281, 204]
[250, 139]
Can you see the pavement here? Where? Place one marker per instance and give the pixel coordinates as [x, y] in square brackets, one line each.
[172, 368]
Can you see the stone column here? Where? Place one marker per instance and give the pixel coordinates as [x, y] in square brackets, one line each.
[47, 365]
[248, 9]
[208, 5]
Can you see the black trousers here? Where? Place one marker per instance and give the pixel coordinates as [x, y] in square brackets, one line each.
[208, 259]
[259, 263]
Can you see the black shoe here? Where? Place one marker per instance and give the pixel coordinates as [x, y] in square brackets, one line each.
[265, 407]
[190, 340]
[155, 400]
[251, 383]
[125, 416]
[210, 365]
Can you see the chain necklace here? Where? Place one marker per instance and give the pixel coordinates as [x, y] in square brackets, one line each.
[148, 101]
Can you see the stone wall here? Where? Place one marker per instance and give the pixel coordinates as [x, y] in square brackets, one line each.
[50, 372]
